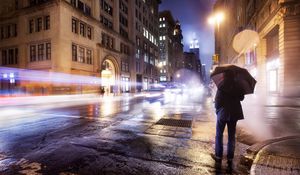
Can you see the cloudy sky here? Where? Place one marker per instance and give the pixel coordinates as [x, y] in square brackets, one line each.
[193, 15]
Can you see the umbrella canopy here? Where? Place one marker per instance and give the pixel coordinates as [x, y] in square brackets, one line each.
[241, 78]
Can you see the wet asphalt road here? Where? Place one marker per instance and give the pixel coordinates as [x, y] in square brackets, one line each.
[119, 135]
[21, 133]
[113, 136]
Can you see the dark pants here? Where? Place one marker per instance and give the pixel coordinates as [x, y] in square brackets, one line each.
[231, 127]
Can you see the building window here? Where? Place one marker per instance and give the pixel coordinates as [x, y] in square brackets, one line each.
[80, 5]
[81, 58]
[37, 2]
[137, 67]
[31, 26]
[8, 31]
[40, 52]
[2, 33]
[106, 22]
[39, 22]
[47, 22]
[124, 48]
[146, 58]
[87, 10]
[123, 32]
[125, 84]
[82, 54]
[74, 52]
[73, 2]
[138, 53]
[16, 55]
[138, 41]
[89, 56]
[107, 41]
[106, 7]
[32, 53]
[163, 78]
[74, 25]
[89, 32]
[4, 57]
[48, 51]
[145, 84]
[15, 30]
[273, 80]
[82, 29]
[124, 66]
[123, 7]
[9, 56]
[123, 20]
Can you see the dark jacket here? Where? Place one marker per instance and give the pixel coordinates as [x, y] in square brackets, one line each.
[228, 105]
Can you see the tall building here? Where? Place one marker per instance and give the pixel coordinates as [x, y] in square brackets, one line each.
[274, 61]
[194, 48]
[116, 41]
[146, 42]
[170, 45]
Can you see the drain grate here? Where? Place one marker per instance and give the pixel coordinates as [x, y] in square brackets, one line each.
[174, 122]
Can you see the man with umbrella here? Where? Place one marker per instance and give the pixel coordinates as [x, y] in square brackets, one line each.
[233, 83]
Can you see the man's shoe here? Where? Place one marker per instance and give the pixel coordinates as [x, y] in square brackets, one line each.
[229, 166]
[217, 159]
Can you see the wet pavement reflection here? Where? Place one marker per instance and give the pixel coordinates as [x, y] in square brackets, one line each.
[117, 135]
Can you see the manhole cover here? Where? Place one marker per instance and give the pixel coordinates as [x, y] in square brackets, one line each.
[173, 122]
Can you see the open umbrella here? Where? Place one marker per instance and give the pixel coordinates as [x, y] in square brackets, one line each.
[241, 78]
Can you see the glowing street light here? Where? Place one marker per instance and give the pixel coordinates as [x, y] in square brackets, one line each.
[216, 19]
[178, 75]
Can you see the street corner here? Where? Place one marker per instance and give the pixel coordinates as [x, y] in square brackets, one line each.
[276, 156]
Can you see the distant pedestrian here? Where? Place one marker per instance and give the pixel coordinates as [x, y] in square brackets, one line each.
[229, 111]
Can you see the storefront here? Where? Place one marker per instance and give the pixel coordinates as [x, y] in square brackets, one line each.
[145, 83]
[125, 84]
[108, 77]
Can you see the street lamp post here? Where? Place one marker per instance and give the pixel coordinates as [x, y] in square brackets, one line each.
[216, 19]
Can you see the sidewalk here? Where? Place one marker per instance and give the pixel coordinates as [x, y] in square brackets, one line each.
[276, 156]
[280, 154]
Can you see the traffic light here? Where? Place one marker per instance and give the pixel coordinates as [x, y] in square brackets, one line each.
[215, 58]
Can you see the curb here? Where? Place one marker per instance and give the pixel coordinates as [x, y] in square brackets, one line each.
[248, 158]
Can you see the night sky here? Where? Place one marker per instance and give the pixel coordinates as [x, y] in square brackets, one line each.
[193, 15]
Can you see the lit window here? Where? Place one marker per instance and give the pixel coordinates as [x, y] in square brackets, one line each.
[163, 78]
[273, 81]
